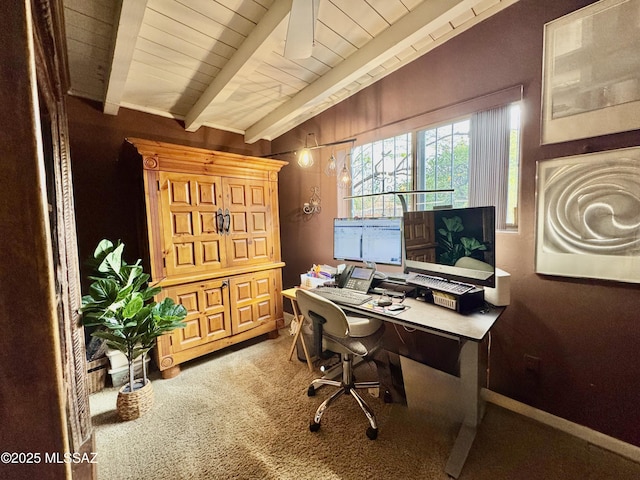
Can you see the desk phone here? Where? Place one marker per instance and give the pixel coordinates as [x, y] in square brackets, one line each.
[356, 278]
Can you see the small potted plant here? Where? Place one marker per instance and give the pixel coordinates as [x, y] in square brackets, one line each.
[120, 306]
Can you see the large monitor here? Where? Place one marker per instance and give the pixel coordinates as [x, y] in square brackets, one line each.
[456, 244]
[376, 240]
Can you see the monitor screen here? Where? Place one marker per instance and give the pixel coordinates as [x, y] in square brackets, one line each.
[377, 240]
[455, 244]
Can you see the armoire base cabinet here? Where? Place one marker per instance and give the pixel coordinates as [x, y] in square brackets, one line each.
[213, 243]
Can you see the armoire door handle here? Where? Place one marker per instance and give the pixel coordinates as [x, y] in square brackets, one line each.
[219, 222]
[227, 221]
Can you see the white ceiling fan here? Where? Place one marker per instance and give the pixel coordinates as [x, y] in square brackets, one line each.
[301, 29]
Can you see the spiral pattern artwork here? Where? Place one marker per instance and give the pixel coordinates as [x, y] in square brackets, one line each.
[593, 207]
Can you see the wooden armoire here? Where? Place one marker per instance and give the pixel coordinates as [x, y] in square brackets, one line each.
[213, 239]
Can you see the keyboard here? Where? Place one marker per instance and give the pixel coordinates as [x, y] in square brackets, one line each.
[342, 296]
[397, 277]
[440, 284]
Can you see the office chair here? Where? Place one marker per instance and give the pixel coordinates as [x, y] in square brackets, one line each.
[347, 336]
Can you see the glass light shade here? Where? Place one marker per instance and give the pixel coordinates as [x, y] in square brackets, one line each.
[345, 177]
[305, 159]
[332, 167]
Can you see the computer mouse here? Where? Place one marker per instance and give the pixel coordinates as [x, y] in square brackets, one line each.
[396, 307]
[384, 302]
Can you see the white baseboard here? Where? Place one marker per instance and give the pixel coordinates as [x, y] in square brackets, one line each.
[588, 435]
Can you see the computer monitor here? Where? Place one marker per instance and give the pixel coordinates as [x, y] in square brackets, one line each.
[455, 244]
[377, 240]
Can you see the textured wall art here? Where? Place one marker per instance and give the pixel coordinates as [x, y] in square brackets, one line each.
[588, 216]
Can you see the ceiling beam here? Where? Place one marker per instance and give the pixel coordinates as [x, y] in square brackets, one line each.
[128, 23]
[241, 64]
[411, 28]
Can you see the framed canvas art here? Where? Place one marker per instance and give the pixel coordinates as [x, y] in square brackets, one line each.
[588, 216]
[591, 72]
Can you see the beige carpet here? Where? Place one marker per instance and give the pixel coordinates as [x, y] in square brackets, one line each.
[243, 413]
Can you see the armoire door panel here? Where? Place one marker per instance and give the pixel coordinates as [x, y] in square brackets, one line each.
[182, 223]
[251, 297]
[208, 223]
[243, 319]
[242, 290]
[216, 310]
[260, 248]
[259, 222]
[240, 250]
[207, 193]
[211, 253]
[262, 286]
[250, 237]
[184, 255]
[192, 242]
[264, 310]
[180, 192]
[189, 300]
[191, 333]
[236, 194]
[216, 325]
[238, 223]
[208, 314]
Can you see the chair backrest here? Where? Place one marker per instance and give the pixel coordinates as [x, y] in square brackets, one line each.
[336, 321]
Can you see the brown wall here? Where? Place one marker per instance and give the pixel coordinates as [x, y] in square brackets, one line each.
[585, 332]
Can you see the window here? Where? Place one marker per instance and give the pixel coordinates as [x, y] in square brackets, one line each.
[443, 163]
[377, 167]
[476, 156]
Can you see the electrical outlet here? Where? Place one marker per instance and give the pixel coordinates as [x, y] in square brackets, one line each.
[531, 364]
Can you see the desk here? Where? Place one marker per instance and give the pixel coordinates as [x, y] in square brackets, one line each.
[470, 330]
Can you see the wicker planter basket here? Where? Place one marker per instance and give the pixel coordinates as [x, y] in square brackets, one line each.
[132, 405]
[97, 374]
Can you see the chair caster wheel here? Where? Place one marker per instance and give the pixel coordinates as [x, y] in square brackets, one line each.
[372, 433]
[314, 427]
[311, 392]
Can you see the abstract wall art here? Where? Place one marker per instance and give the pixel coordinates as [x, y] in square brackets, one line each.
[588, 216]
[591, 72]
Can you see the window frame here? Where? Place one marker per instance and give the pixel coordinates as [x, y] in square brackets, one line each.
[443, 121]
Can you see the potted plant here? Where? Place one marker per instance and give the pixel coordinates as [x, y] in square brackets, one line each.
[120, 306]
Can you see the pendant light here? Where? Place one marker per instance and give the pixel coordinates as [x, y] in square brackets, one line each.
[305, 159]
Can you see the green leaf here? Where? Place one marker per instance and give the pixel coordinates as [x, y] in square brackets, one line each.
[104, 290]
[168, 310]
[113, 261]
[150, 292]
[133, 306]
[115, 337]
[104, 247]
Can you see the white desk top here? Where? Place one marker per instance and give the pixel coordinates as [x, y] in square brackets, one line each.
[439, 320]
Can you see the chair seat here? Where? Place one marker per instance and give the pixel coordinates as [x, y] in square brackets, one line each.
[360, 346]
[362, 326]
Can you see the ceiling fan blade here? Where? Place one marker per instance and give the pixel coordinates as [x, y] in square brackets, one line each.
[301, 29]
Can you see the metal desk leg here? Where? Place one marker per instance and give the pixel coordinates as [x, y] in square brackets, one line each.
[470, 391]
[299, 319]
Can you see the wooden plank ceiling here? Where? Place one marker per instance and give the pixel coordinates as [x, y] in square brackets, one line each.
[220, 63]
